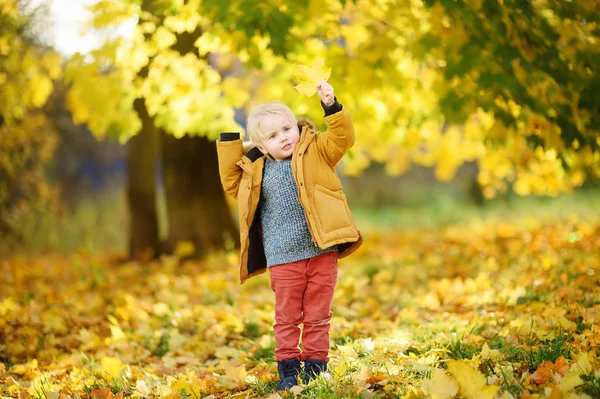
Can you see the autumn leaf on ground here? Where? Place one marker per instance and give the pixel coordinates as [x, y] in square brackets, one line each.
[583, 364]
[309, 77]
[572, 379]
[546, 370]
[472, 382]
[440, 386]
[490, 354]
[543, 373]
[112, 366]
[236, 374]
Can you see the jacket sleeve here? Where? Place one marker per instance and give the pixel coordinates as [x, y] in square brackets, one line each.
[229, 151]
[339, 137]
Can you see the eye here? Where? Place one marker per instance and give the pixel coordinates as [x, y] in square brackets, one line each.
[288, 128]
[272, 136]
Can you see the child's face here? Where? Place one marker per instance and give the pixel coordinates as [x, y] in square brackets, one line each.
[281, 136]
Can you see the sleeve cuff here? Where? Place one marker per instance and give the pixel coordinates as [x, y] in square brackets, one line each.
[333, 108]
[229, 136]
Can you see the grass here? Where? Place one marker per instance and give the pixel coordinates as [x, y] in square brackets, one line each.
[99, 224]
[538, 353]
[458, 349]
[591, 385]
[442, 210]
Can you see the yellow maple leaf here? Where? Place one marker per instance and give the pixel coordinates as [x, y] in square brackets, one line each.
[472, 383]
[112, 366]
[440, 386]
[491, 354]
[309, 77]
[187, 387]
[236, 374]
[571, 380]
[583, 364]
[506, 395]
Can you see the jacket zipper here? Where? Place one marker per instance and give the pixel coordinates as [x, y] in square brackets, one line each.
[310, 229]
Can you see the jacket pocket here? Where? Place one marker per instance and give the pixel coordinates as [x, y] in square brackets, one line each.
[332, 209]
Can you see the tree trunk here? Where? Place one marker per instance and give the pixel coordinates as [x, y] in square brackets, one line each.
[196, 206]
[141, 188]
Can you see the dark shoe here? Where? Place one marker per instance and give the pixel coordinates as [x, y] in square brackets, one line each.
[312, 368]
[289, 370]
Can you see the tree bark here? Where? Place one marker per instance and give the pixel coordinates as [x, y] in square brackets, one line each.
[141, 188]
[196, 206]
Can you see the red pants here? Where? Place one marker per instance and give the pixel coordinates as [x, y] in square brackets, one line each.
[303, 294]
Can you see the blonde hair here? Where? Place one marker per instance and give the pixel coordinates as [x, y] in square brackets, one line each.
[256, 114]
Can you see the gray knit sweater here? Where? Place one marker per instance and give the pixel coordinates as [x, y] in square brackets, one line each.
[286, 237]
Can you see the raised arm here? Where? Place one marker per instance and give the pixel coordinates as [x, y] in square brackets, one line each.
[229, 151]
[339, 136]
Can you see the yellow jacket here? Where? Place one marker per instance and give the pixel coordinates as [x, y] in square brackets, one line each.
[313, 165]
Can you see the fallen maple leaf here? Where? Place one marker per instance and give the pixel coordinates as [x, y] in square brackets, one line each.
[236, 374]
[583, 364]
[571, 380]
[546, 370]
[112, 366]
[543, 373]
[310, 77]
[560, 365]
[472, 382]
[440, 386]
[491, 354]
[105, 393]
[506, 395]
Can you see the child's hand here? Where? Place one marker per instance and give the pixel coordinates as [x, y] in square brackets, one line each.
[325, 91]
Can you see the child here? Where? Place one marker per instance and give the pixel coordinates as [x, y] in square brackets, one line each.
[294, 220]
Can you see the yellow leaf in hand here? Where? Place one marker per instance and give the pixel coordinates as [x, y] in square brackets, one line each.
[309, 77]
[306, 88]
[472, 382]
[440, 386]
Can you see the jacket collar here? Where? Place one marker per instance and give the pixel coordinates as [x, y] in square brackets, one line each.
[254, 154]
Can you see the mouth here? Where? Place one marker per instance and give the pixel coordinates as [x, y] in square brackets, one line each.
[286, 147]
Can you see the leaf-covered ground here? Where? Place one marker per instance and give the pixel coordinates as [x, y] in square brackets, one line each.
[505, 309]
